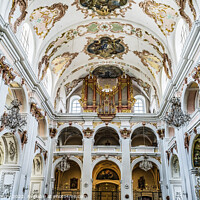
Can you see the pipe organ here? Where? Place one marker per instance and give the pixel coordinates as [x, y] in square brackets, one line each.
[107, 96]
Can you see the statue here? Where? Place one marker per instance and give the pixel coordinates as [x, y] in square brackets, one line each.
[141, 183]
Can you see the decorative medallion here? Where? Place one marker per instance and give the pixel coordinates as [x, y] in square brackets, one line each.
[105, 47]
[164, 16]
[103, 8]
[44, 18]
[62, 62]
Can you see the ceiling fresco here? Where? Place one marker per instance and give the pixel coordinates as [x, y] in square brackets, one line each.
[102, 8]
[106, 47]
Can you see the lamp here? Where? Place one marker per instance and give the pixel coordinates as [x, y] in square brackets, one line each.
[145, 164]
[63, 165]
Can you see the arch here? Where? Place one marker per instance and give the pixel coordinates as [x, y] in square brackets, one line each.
[62, 127]
[143, 101]
[27, 41]
[180, 36]
[73, 158]
[103, 158]
[190, 94]
[153, 160]
[153, 128]
[116, 129]
[74, 99]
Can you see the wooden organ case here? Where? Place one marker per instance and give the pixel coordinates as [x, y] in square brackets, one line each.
[107, 96]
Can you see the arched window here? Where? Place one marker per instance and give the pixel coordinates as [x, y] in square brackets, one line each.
[181, 35]
[75, 106]
[27, 41]
[139, 106]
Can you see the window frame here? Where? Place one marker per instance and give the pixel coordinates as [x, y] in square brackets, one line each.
[142, 99]
[72, 100]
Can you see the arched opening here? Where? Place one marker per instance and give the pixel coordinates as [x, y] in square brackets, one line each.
[106, 136]
[192, 98]
[106, 181]
[139, 105]
[67, 179]
[70, 136]
[37, 177]
[146, 184]
[15, 91]
[143, 136]
[75, 106]
[27, 41]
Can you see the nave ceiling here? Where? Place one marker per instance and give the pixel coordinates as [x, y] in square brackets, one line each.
[145, 30]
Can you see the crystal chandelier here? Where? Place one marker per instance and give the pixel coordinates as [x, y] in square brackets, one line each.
[176, 117]
[63, 165]
[13, 119]
[145, 164]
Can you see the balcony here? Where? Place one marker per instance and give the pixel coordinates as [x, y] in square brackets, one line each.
[69, 149]
[144, 149]
[106, 149]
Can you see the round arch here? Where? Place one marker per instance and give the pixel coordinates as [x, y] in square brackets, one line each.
[73, 158]
[153, 160]
[116, 129]
[153, 128]
[62, 127]
[102, 158]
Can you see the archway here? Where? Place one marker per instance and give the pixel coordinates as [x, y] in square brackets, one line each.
[106, 181]
[146, 184]
[106, 136]
[67, 180]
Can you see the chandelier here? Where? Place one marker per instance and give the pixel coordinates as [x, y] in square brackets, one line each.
[13, 119]
[176, 117]
[145, 164]
[63, 165]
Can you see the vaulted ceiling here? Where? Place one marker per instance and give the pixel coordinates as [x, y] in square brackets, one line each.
[63, 30]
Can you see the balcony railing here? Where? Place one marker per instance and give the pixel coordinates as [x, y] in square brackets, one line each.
[69, 148]
[107, 149]
[101, 195]
[144, 149]
[147, 195]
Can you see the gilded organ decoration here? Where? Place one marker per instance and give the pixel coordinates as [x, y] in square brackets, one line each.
[103, 8]
[106, 47]
[164, 16]
[107, 99]
[196, 152]
[44, 18]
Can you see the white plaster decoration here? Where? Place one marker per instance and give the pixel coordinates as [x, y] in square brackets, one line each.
[6, 184]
